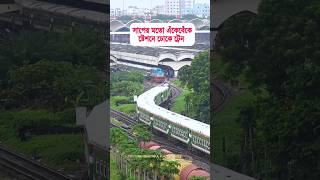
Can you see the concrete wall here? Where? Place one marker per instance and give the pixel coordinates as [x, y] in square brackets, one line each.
[96, 124]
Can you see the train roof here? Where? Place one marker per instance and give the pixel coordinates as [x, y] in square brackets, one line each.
[146, 101]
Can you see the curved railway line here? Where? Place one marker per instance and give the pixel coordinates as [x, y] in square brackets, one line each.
[175, 92]
[28, 168]
[200, 160]
[220, 96]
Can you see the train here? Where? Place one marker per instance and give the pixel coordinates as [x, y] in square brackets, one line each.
[194, 133]
[186, 169]
[157, 75]
[160, 74]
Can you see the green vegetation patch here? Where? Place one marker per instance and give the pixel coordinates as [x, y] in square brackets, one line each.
[119, 100]
[59, 151]
[128, 109]
[63, 151]
[114, 171]
[123, 104]
[228, 131]
[179, 105]
[116, 122]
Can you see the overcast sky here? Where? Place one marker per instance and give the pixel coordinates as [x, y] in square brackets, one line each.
[142, 3]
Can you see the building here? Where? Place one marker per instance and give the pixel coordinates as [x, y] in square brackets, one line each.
[158, 10]
[133, 11]
[115, 13]
[201, 10]
[186, 6]
[172, 7]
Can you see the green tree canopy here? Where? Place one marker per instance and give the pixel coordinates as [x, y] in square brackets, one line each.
[55, 85]
[278, 51]
[196, 77]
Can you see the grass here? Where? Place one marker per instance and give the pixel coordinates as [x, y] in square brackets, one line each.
[119, 100]
[177, 82]
[58, 151]
[123, 104]
[116, 122]
[225, 126]
[128, 109]
[115, 174]
[179, 103]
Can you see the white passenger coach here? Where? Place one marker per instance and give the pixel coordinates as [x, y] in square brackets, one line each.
[182, 128]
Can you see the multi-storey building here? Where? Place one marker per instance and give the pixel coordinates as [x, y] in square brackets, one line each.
[115, 13]
[186, 6]
[172, 7]
[158, 10]
[201, 10]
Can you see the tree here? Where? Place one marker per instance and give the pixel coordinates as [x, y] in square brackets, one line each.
[55, 85]
[141, 132]
[277, 52]
[126, 88]
[127, 76]
[168, 169]
[196, 77]
[83, 46]
[198, 178]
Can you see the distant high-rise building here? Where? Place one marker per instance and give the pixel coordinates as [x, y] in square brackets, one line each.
[186, 7]
[201, 10]
[159, 10]
[115, 13]
[172, 7]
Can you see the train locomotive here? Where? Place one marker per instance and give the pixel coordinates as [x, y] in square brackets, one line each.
[160, 74]
[157, 75]
[194, 133]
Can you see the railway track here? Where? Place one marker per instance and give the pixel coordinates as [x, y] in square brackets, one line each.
[204, 163]
[123, 117]
[28, 168]
[220, 96]
[175, 92]
[201, 161]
